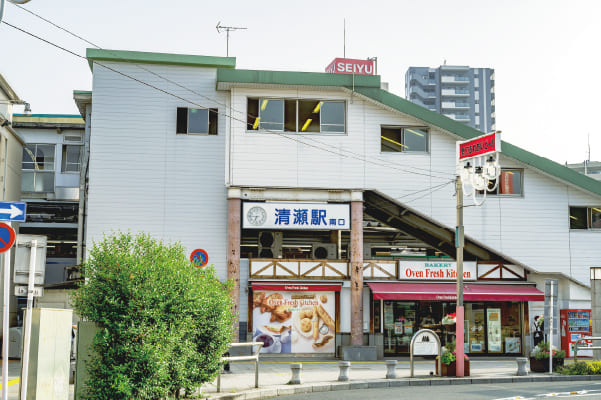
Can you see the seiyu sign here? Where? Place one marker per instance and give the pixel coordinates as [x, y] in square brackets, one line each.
[299, 216]
[435, 270]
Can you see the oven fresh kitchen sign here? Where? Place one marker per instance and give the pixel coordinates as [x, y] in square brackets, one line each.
[435, 270]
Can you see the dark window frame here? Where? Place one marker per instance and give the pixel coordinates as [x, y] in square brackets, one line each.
[182, 125]
[496, 192]
[575, 218]
[400, 142]
[299, 115]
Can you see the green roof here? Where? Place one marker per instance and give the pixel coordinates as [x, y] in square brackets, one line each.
[48, 115]
[369, 86]
[366, 85]
[296, 78]
[159, 58]
[466, 132]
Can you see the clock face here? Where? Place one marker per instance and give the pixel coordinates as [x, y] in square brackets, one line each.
[256, 216]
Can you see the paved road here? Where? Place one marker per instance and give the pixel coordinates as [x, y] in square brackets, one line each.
[507, 391]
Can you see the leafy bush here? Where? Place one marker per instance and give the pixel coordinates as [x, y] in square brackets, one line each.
[582, 368]
[449, 355]
[541, 351]
[163, 324]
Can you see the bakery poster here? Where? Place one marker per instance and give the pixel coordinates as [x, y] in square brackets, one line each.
[294, 322]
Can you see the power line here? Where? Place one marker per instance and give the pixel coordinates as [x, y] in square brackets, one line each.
[383, 163]
[439, 187]
[223, 104]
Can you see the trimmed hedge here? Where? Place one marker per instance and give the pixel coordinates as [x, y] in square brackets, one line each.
[164, 324]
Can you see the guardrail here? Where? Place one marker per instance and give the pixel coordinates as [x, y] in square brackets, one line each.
[583, 339]
[254, 357]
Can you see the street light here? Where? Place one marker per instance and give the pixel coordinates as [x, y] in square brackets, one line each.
[12, 1]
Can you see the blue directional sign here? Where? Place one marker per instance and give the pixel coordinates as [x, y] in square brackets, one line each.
[12, 211]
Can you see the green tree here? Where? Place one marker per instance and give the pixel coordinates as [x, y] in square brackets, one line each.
[163, 324]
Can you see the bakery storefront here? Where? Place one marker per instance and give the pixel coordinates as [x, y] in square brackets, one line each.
[496, 306]
[295, 317]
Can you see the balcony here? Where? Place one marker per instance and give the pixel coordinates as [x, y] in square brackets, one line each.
[455, 105]
[455, 79]
[455, 92]
[458, 117]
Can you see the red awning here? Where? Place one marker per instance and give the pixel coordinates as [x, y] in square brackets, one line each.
[297, 286]
[448, 292]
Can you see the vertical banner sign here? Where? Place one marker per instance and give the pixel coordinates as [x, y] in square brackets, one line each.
[555, 311]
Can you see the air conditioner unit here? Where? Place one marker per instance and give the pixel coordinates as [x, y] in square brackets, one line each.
[322, 251]
[270, 244]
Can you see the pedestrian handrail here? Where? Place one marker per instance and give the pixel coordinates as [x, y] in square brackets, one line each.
[587, 347]
[254, 357]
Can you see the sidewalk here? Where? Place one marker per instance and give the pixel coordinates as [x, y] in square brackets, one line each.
[322, 375]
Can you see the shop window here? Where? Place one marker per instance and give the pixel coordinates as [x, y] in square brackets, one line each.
[403, 139]
[196, 121]
[585, 217]
[510, 183]
[302, 116]
[38, 168]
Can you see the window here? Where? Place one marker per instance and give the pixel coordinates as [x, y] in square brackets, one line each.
[197, 121]
[585, 217]
[304, 116]
[71, 161]
[403, 139]
[38, 168]
[510, 183]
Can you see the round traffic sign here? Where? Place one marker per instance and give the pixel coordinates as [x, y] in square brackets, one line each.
[199, 258]
[7, 237]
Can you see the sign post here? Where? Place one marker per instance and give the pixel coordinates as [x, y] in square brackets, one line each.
[7, 239]
[477, 164]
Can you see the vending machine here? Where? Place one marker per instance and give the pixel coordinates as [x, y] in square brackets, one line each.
[575, 324]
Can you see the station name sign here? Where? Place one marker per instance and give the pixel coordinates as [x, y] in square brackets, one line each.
[479, 146]
[435, 270]
[296, 215]
[351, 66]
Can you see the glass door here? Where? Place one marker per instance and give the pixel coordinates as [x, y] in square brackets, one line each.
[399, 326]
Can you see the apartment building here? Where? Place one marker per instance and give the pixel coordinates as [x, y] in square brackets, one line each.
[464, 94]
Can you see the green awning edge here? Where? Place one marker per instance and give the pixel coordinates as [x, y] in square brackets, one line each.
[158, 58]
[242, 76]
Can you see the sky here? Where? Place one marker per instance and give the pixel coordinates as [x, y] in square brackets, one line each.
[535, 48]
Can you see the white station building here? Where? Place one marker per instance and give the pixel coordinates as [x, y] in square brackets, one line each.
[331, 204]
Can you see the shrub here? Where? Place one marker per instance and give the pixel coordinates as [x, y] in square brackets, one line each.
[582, 368]
[541, 351]
[163, 324]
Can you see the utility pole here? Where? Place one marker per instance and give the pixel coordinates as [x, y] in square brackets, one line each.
[459, 311]
[227, 29]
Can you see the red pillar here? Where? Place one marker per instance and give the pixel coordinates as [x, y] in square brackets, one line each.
[356, 272]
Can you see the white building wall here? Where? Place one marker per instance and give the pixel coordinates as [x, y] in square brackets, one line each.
[533, 228]
[144, 177]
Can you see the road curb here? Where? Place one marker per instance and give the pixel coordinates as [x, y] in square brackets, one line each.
[320, 387]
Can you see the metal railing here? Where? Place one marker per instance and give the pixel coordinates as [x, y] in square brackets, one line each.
[254, 357]
[587, 347]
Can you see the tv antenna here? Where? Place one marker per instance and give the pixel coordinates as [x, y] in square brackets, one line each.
[227, 29]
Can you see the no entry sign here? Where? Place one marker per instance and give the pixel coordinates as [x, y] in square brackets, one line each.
[199, 258]
[7, 237]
